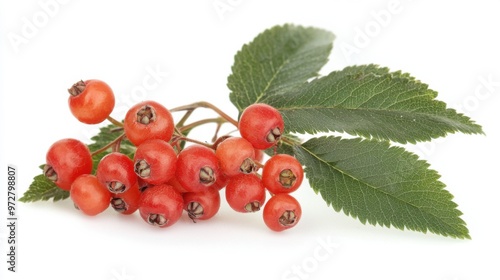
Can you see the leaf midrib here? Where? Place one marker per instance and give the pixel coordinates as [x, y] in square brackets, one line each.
[285, 62]
[259, 96]
[427, 114]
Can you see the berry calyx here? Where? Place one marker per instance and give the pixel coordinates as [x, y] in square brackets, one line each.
[66, 160]
[89, 196]
[148, 120]
[282, 173]
[206, 175]
[282, 212]
[146, 115]
[202, 205]
[262, 125]
[161, 205]
[126, 202]
[91, 101]
[77, 88]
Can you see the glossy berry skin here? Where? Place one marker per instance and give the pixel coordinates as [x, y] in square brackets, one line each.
[66, 160]
[161, 205]
[202, 205]
[89, 196]
[116, 173]
[148, 120]
[282, 212]
[236, 156]
[259, 155]
[142, 184]
[177, 186]
[126, 202]
[245, 193]
[155, 162]
[262, 125]
[91, 101]
[282, 173]
[221, 181]
[197, 168]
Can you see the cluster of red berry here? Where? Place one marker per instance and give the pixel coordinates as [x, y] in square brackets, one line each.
[163, 178]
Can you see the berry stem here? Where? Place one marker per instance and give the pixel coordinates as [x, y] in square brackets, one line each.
[216, 134]
[182, 138]
[109, 145]
[116, 129]
[184, 118]
[259, 165]
[290, 141]
[115, 122]
[178, 132]
[116, 146]
[202, 122]
[204, 104]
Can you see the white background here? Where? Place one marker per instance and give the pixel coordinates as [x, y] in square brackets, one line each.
[190, 46]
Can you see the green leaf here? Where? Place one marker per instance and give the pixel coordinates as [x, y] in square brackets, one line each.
[371, 102]
[42, 189]
[106, 135]
[380, 184]
[276, 61]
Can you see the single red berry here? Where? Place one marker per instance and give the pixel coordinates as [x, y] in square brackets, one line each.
[91, 101]
[262, 125]
[115, 171]
[245, 193]
[67, 159]
[202, 205]
[127, 202]
[282, 212]
[155, 161]
[197, 168]
[282, 173]
[161, 205]
[89, 196]
[236, 156]
[148, 120]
